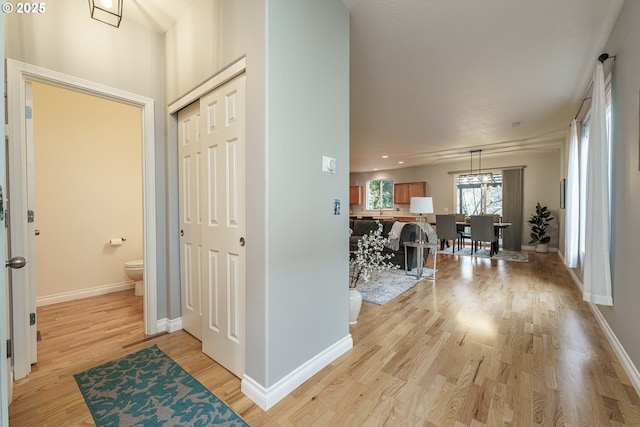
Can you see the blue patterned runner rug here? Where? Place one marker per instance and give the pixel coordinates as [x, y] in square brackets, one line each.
[147, 388]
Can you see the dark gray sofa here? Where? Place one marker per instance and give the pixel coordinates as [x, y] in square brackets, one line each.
[360, 227]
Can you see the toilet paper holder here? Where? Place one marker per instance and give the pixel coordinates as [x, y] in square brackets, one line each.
[117, 242]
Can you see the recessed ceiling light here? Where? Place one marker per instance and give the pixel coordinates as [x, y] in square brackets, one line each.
[401, 162]
[375, 169]
[385, 157]
[515, 124]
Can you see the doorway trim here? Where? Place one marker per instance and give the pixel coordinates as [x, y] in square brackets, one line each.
[17, 75]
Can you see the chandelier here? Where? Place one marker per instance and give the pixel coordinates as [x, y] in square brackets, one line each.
[477, 178]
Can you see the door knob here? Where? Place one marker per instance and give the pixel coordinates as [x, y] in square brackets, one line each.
[37, 232]
[16, 262]
[242, 241]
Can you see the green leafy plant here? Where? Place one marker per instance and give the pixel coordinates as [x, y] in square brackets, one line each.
[539, 223]
[369, 258]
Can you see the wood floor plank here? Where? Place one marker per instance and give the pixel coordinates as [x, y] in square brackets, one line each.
[491, 343]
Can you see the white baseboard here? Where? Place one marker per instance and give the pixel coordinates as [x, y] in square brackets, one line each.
[84, 293]
[618, 349]
[265, 398]
[169, 325]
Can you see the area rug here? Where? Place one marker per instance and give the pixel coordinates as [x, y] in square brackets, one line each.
[384, 286]
[147, 388]
[502, 254]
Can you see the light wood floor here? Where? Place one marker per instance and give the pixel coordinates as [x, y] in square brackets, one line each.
[492, 343]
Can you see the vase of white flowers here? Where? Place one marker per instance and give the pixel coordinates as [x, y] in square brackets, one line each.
[368, 258]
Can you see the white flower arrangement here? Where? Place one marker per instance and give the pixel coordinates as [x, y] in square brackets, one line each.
[368, 258]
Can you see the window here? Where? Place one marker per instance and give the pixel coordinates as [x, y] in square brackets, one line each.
[478, 198]
[380, 194]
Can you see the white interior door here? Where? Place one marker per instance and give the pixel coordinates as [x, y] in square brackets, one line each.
[223, 228]
[31, 226]
[190, 217]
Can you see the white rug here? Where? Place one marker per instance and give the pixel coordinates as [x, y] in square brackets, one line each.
[382, 287]
[502, 254]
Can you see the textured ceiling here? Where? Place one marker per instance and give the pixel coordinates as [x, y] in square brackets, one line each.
[432, 79]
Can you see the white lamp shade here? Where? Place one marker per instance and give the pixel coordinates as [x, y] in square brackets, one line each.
[421, 205]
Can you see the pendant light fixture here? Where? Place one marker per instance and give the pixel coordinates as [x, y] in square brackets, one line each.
[479, 178]
[107, 11]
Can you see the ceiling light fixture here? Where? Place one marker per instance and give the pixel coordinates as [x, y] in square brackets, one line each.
[478, 178]
[106, 11]
[385, 157]
[401, 162]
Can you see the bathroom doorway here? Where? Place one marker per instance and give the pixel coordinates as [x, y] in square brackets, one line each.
[88, 192]
[22, 231]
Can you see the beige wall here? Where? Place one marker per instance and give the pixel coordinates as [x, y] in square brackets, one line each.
[541, 183]
[88, 189]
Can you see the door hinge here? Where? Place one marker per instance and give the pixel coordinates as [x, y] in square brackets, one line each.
[8, 348]
[30, 216]
[32, 319]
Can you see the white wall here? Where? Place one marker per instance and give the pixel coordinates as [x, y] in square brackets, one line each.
[624, 316]
[130, 58]
[88, 189]
[541, 183]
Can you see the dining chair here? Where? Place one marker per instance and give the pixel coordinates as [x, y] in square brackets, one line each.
[482, 230]
[446, 229]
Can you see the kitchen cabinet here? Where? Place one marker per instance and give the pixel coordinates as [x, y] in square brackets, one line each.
[403, 192]
[355, 195]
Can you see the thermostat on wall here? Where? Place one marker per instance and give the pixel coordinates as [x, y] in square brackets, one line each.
[328, 164]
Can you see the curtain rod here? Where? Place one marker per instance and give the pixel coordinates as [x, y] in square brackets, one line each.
[584, 99]
[603, 57]
[504, 168]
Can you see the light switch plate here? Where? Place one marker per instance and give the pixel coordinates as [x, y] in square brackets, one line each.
[328, 164]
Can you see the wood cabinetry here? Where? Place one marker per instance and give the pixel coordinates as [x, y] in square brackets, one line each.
[355, 195]
[403, 192]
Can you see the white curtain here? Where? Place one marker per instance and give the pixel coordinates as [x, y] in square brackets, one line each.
[572, 202]
[597, 270]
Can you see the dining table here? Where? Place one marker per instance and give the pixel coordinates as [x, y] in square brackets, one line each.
[497, 228]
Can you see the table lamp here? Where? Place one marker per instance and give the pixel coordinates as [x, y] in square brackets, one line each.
[420, 206]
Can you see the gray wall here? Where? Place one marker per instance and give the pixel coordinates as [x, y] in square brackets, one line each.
[210, 35]
[541, 183]
[297, 111]
[308, 117]
[624, 316]
[129, 58]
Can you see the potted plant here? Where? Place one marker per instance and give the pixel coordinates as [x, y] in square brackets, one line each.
[368, 258]
[539, 223]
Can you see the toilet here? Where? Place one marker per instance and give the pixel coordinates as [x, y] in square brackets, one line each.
[135, 269]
